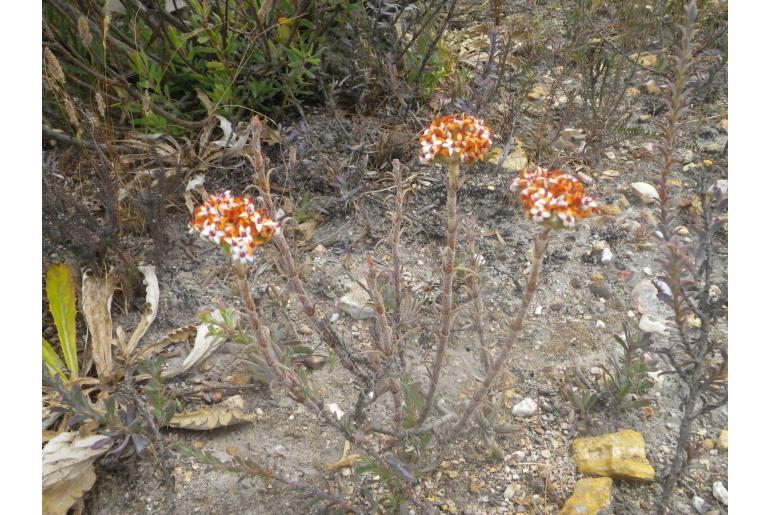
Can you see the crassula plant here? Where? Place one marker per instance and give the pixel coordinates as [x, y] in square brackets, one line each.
[453, 140]
[552, 199]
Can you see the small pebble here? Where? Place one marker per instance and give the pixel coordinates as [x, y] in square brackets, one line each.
[699, 504]
[646, 193]
[525, 408]
[606, 256]
[720, 492]
[650, 325]
[600, 325]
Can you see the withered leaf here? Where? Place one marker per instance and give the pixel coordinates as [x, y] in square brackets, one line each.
[228, 413]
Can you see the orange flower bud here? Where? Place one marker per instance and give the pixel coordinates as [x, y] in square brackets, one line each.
[234, 223]
[552, 197]
[458, 138]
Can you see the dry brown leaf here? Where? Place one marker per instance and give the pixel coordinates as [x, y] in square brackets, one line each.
[270, 136]
[97, 299]
[179, 335]
[227, 413]
[150, 307]
[205, 345]
[194, 184]
[68, 470]
[517, 159]
[348, 461]
[58, 499]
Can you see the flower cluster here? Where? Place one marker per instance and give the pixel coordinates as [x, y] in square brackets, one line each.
[553, 197]
[455, 138]
[234, 223]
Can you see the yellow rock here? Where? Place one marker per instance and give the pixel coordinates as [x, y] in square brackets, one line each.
[610, 209]
[645, 59]
[538, 92]
[722, 441]
[632, 92]
[693, 321]
[616, 455]
[516, 160]
[651, 88]
[591, 495]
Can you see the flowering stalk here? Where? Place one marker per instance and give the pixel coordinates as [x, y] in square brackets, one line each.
[452, 140]
[240, 229]
[555, 200]
[447, 282]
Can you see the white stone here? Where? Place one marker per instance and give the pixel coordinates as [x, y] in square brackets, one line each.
[721, 185]
[525, 408]
[720, 492]
[606, 256]
[600, 325]
[647, 193]
[335, 410]
[510, 491]
[650, 325]
[354, 303]
[699, 504]
[644, 297]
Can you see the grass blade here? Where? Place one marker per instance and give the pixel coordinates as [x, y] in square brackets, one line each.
[60, 289]
[52, 360]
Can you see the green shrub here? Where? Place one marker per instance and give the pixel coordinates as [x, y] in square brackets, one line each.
[168, 71]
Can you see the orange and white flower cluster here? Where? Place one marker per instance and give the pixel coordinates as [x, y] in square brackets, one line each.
[553, 197]
[234, 223]
[455, 138]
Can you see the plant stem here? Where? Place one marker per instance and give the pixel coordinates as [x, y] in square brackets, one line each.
[289, 268]
[475, 294]
[541, 243]
[395, 240]
[447, 280]
[263, 340]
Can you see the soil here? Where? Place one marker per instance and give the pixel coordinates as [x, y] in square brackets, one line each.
[341, 187]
